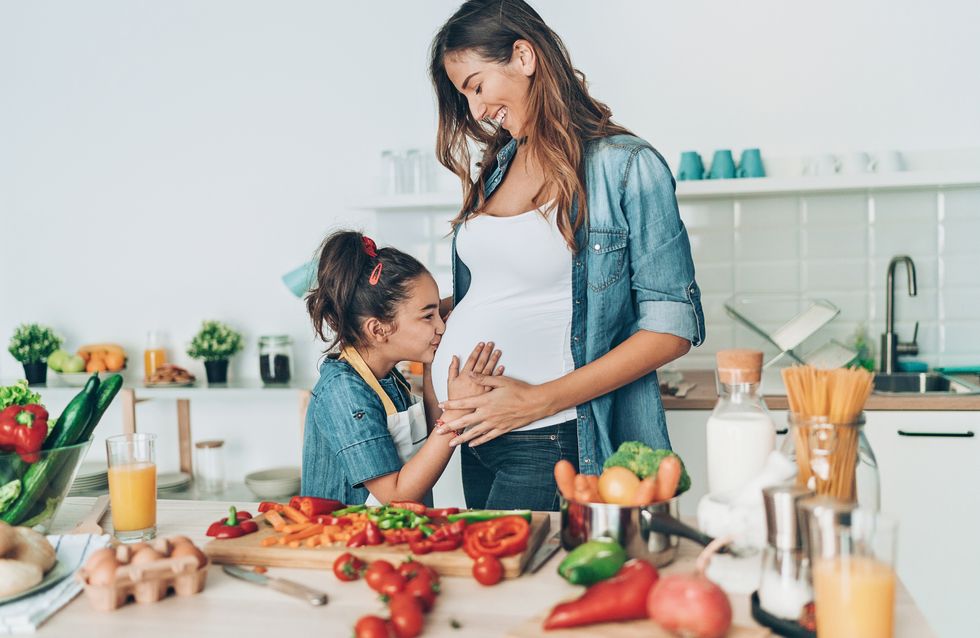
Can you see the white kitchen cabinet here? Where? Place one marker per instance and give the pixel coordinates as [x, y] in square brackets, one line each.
[929, 483]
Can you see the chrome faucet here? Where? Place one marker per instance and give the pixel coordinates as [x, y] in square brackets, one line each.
[891, 347]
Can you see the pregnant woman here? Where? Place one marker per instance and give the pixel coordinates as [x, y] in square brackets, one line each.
[568, 252]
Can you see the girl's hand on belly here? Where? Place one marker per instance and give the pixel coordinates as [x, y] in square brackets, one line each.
[482, 361]
[510, 405]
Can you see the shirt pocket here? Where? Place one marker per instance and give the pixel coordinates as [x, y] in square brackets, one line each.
[607, 256]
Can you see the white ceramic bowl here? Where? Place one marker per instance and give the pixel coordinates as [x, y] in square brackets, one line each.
[78, 379]
[273, 483]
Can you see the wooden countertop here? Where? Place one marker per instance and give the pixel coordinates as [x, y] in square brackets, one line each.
[704, 397]
[232, 608]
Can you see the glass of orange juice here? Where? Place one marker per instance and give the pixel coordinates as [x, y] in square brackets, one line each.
[154, 355]
[854, 574]
[133, 486]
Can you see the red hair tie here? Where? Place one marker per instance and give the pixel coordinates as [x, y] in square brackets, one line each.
[375, 274]
[369, 246]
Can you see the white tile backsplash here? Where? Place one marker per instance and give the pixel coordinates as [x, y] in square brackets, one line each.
[767, 244]
[846, 242]
[712, 247]
[905, 206]
[961, 203]
[768, 212]
[907, 238]
[774, 276]
[960, 304]
[710, 215]
[828, 276]
[835, 211]
[961, 236]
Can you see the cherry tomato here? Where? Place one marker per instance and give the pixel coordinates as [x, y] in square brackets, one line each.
[410, 569]
[406, 615]
[487, 570]
[375, 571]
[348, 567]
[391, 583]
[371, 627]
[423, 589]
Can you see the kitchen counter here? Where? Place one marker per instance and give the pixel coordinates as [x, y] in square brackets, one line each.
[703, 397]
[233, 608]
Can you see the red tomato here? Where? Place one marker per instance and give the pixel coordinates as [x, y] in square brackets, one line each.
[371, 627]
[375, 571]
[348, 567]
[423, 589]
[410, 569]
[406, 615]
[391, 583]
[487, 570]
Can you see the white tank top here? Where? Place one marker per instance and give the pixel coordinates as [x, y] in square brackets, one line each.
[520, 297]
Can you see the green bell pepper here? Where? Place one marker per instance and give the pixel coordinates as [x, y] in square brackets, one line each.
[592, 561]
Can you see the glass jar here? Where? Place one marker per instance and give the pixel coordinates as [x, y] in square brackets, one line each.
[834, 459]
[209, 466]
[275, 359]
[740, 432]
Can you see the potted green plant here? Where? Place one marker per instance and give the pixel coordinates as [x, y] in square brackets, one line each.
[31, 345]
[215, 342]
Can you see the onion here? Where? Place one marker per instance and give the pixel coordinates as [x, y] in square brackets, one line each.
[690, 605]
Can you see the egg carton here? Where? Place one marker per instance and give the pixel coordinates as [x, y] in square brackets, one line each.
[147, 582]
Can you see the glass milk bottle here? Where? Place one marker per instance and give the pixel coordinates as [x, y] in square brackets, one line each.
[740, 431]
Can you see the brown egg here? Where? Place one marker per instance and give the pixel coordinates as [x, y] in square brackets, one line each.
[188, 549]
[145, 555]
[98, 556]
[179, 540]
[103, 572]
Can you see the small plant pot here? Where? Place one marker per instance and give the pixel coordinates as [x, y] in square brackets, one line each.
[36, 372]
[217, 371]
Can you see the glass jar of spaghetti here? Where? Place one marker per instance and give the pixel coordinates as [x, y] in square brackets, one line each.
[834, 459]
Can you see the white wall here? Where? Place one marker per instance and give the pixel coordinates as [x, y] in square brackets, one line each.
[163, 163]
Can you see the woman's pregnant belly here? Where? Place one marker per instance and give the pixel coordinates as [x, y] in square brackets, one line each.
[533, 341]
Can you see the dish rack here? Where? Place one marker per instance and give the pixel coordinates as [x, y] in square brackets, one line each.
[816, 314]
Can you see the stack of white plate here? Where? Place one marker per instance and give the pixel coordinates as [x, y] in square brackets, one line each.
[280, 481]
[172, 481]
[92, 476]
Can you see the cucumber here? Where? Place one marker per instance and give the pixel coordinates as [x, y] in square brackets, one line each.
[75, 416]
[108, 390]
[70, 426]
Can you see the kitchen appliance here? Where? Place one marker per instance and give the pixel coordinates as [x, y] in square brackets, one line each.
[291, 588]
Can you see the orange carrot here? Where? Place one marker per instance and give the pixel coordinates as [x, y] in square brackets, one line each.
[581, 488]
[593, 488]
[295, 515]
[269, 540]
[312, 530]
[275, 520]
[647, 492]
[313, 541]
[296, 527]
[668, 477]
[565, 478]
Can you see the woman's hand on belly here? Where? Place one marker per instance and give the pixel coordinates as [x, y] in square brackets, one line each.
[509, 405]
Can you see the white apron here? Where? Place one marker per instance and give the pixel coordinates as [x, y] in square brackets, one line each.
[408, 429]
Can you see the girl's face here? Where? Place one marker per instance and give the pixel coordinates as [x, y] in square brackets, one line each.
[495, 92]
[418, 326]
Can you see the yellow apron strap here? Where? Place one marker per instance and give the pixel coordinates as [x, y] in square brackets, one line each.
[354, 359]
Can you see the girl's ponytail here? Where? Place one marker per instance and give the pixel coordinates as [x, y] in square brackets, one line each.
[355, 281]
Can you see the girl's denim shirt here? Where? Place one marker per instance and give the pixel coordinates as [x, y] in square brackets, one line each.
[346, 440]
[633, 271]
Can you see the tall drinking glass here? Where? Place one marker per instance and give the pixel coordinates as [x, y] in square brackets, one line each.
[133, 486]
[853, 573]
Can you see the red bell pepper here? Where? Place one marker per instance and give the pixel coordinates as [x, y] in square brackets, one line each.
[372, 535]
[441, 512]
[358, 540]
[313, 506]
[266, 506]
[411, 506]
[22, 430]
[235, 525]
[622, 597]
[498, 537]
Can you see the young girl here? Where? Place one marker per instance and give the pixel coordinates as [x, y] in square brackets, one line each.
[366, 437]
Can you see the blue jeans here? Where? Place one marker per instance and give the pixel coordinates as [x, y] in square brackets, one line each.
[517, 470]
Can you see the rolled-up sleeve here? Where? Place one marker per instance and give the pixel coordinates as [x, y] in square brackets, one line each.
[661, 266]
[355, 424]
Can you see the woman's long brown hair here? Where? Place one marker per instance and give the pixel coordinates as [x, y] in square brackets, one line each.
[562, 116]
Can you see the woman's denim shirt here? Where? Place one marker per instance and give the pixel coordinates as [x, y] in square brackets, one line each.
[633, 271]
[346, 440]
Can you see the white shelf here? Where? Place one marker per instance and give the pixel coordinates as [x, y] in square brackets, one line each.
[729, 188]
[235, 389]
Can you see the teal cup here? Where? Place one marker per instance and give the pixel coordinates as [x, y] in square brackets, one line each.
[300, 280]
[691, 166]
[722, 166]
[751, 164]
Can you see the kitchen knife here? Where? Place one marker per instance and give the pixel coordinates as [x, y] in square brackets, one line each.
[302, 592]
[546, 551]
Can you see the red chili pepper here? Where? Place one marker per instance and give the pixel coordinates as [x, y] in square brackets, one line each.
[235, 525]
[622, 597]
[266, 506]
[420, 547]
[372, 535]
[499, 537]
[313, 506]
[358, 540]
[22, 430]
[411, 506]
[441, 513]
[446, 544]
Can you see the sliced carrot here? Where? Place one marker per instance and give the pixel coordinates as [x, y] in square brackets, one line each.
[330, 529]
[313, 541]
[295, 515]
[312, 530]
[275, 520]
[296, 527]
[269, 540]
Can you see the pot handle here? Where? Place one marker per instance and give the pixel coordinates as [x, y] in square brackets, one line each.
[667, 524]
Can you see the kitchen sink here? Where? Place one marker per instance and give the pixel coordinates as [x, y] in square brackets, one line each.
[921, 383]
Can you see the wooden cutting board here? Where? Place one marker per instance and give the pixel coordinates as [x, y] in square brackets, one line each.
[632, 629]
[247, 550]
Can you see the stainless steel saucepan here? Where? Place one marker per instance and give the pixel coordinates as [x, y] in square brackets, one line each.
[651, 532]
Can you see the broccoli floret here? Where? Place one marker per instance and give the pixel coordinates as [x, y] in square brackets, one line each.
[644, 461]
